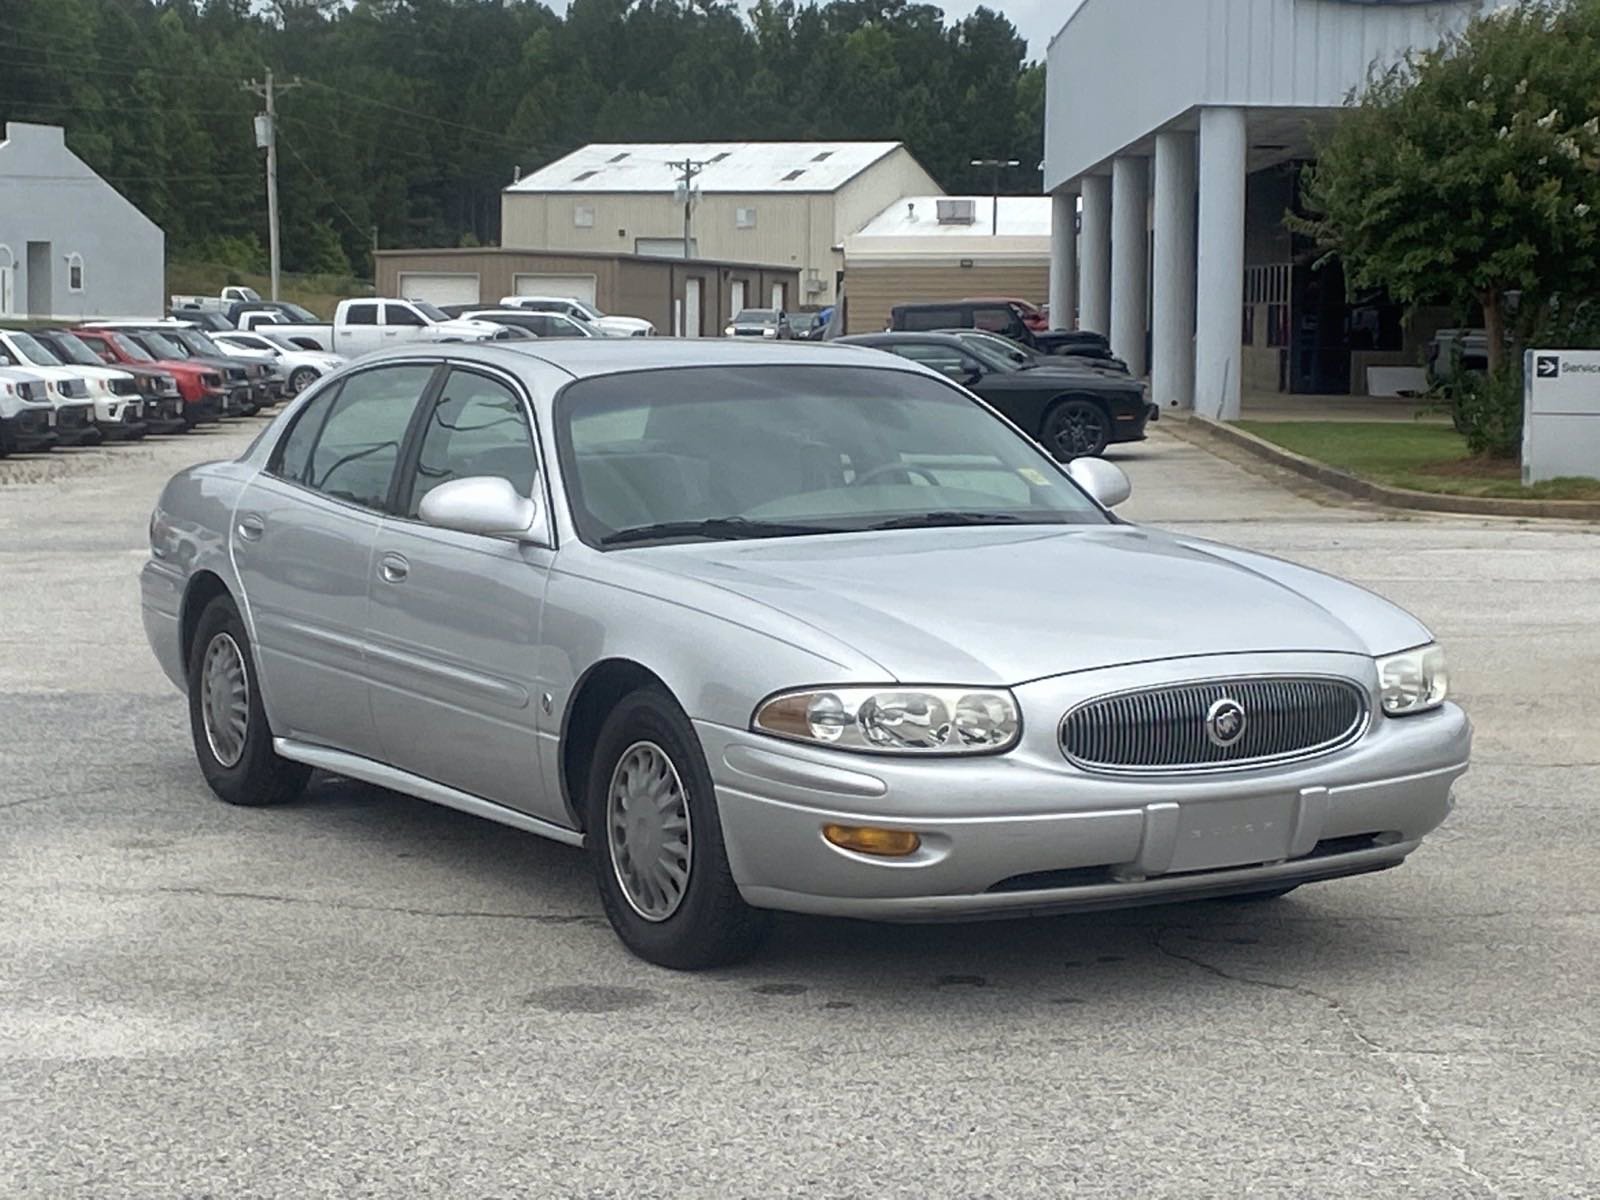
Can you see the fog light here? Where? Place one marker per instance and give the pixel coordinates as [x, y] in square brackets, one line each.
[885, 843]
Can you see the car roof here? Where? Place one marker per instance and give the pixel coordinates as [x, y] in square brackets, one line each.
[591, 357]
[900, 336]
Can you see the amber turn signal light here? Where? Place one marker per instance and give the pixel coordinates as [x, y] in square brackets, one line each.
[885, 843]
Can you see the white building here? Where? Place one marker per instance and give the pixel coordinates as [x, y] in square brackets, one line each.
[924, 248]
[1179, 125]
[781, 204]
[70, 245]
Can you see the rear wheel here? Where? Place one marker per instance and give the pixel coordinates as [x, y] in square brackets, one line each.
[1076, 429]
[655, 841]
[231, 739]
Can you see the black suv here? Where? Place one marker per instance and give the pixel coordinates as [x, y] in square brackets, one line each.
[1072, 410]
[1004, 318]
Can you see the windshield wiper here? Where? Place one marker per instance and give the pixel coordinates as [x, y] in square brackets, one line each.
[715, 528]
[935, 520]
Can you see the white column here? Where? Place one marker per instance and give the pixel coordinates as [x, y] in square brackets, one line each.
[1219, 354]
[1063, 259]
[1130, 210]
[1094, 252]
[1172, 337]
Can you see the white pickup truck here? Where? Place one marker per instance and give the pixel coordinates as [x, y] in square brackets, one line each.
[361, 326]
[218, 303]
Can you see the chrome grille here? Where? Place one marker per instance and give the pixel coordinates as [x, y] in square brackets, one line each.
[1164, 729]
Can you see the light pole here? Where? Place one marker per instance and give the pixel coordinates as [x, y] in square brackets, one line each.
[996, 165]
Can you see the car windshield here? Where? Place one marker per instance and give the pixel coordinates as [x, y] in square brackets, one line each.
[245, 341]
[756, 316]
[199, 343]
[429, 311]
[714, 453]
[298, 313]
[71, 349]
[587, 311]
[166, 347]
[30, 349]
[130, 348]
[990, 346]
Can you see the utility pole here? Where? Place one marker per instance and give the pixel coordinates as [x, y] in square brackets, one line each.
[687, 170]
[996, 165]
[267, 137]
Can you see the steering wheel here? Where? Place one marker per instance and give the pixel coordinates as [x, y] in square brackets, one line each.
[906, 469]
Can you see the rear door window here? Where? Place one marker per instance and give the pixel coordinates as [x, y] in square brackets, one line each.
[925, 320]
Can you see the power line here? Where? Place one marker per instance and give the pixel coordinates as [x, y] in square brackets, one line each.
[326, 190]
[412, 112]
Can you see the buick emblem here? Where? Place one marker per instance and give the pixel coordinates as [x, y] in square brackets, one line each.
[1225, 722]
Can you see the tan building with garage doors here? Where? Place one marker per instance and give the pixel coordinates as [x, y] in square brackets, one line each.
[694, 299]
[924, 248]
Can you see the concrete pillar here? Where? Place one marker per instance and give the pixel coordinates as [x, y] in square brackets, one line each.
[1219, 335]
[1130, 210]
[1172, 335]
[1063, 259]
[1094, 251]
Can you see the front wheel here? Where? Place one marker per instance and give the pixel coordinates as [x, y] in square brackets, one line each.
[231, 739]
[1076, 429]
[300, 379]
[655, 841]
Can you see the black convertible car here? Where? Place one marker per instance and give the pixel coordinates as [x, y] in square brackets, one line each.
[1073, 411]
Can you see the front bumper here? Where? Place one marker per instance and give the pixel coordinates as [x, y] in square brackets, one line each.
[164, 414]
[75, 425]
[207, 410]
[120, 419]
[1026, 833]
[29, 431]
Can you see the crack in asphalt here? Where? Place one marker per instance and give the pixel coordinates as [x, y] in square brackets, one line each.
[592, 919]
[1421, 1107]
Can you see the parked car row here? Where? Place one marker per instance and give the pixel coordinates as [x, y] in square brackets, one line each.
[123, 380]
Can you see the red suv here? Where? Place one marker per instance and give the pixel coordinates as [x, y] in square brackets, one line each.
[199, 385]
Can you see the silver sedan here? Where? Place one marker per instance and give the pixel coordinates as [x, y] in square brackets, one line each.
[777, 626]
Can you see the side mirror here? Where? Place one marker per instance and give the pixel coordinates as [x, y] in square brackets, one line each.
[483, 504]
[1104, 481]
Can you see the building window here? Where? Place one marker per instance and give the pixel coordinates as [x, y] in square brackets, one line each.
[583, 216]
[744, 218]
[1268, 286]
[74, 272]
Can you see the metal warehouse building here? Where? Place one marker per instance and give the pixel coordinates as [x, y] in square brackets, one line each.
[787, 204]
[1181, 124]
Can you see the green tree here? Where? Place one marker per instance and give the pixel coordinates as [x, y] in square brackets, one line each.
[1471, 175]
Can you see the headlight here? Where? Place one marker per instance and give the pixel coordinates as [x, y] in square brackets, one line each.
[941, 720]
[769, 332]
[728, 332]
[1413, 682]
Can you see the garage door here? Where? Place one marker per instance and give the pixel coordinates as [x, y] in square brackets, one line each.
[437, 288]
[573, 287]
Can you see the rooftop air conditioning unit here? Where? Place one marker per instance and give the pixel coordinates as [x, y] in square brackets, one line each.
[957, 212]
[814, 285]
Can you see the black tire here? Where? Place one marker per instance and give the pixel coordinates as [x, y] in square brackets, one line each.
[1076, 428]
[300, 379]
[258, 776]
[711, 925]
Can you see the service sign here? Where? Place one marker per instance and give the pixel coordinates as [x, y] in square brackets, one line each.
[1561, 414]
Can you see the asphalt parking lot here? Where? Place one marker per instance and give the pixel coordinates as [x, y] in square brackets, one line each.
[363, 995]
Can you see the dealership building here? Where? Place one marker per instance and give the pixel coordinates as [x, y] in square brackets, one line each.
[1175, 131]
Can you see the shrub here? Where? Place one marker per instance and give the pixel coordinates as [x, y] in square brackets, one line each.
[1488, 409]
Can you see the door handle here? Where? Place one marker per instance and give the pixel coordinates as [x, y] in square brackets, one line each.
[251, 527]
[393, 568]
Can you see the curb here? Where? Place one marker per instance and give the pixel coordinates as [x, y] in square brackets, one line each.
[1199, 429]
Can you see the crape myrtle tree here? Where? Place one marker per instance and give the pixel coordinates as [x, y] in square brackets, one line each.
[1469, 176]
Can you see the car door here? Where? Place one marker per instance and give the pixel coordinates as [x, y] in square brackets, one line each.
[360, 333]
[453, 627]
[401, 323]
[302, 536]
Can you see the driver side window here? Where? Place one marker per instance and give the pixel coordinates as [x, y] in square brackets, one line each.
[475, 426]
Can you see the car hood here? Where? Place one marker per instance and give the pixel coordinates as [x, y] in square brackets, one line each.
[1002, 605]
[461, 327]
[609, 322]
